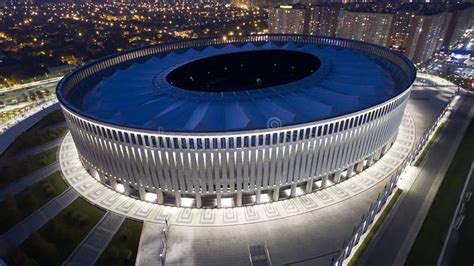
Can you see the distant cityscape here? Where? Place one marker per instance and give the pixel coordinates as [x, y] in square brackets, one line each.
[43, 38]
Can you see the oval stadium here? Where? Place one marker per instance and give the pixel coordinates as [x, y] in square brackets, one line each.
[228, 122]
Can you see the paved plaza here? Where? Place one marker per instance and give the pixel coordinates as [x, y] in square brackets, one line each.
[319, 221]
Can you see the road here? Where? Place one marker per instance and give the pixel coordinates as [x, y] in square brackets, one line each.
[393, 243]
[46, 82]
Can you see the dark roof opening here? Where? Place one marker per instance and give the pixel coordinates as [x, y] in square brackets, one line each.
[244, 70]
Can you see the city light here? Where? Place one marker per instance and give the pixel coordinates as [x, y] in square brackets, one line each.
[235, 132]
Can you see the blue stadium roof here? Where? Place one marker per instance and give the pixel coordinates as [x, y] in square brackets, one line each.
[138, 95]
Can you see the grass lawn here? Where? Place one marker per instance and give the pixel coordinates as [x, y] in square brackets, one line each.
[429, 144]
[375, 228]
[32, 198]
[463, 254]
[430, 239]
[56, 240]
[10, 95]
[122, 249]
[50, 135]
[13, 170]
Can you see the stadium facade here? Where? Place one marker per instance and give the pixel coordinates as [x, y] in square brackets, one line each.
[223, 122]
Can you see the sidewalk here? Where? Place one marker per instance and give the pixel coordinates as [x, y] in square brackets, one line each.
[92, 246]
[38, 149]
[150, 244]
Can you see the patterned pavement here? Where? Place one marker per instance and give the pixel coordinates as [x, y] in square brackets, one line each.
[108, 199]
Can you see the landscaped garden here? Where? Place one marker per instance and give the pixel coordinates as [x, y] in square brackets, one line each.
[43, 132]
[13, 170]
[55, 241]
[32, 198]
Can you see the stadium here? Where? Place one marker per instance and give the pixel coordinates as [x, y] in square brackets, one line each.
[228, 122]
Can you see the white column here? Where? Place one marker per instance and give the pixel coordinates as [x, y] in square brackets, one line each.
[377, 155]
[219, 200]
[370, 160]
[359, 166]
[350, 171]
[257, 196]
[309, 186]
[198, 200]
[276, 193]
[177, 196]
[141, 192]
[238, 201]
[293, 190]
[324, 181]
[337, 177]
[159, 196]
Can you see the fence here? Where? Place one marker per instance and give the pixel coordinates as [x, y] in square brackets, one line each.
[375, 208]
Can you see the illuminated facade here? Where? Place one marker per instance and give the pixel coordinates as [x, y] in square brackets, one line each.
[323, 19]
[367, 27]
[159, 136]
[288, 19]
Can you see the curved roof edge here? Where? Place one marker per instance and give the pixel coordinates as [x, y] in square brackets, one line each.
[82, 73]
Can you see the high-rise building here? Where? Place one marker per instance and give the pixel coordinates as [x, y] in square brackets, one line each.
[399, 31]
[426, 36]
[461, 20]
[323, 19]
[288, 19]
[416, 29]
[363, 26]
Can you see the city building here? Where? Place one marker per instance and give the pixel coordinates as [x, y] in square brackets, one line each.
[426, 36]
[363, 26]
[398, 37]
[288, 19]
[461, 20]
[185, 124]
[323, 19]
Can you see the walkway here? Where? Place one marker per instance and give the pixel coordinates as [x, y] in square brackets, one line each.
[21, 231]
[54, 126]
[38, 149]
[92, 246]
[24, 182]
[150, 244]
